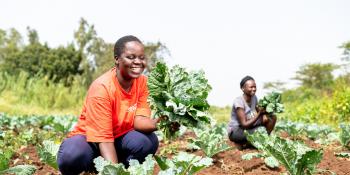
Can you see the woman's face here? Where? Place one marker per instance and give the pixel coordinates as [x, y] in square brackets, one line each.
[132, 61]
[249, 88]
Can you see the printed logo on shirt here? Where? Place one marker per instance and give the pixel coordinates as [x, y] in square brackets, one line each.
[132, 108]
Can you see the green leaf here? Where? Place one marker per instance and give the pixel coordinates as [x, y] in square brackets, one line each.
[48, 153]
[249, 156]
[343, 154]
[308, 162]
[100, 163]
[161, 162]
[116, 169]
[146, 168]
[272, 103]
[21, 170]
[180, 95]
[271, 162]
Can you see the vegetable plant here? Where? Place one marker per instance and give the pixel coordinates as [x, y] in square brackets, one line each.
[48, 153]
[272, 103]
[297, 158]
[20, 170]
[135, 168]
[178, 97]
[182, 164]
[344, 135]
[210, 140]
[270, 161]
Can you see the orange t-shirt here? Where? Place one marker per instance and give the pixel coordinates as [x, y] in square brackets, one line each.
[109, 110]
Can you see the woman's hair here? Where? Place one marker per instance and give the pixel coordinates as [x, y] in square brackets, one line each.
[120, 44]
[245, 79]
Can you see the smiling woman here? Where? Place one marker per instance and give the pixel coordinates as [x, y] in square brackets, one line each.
[114, 122]
[246, 115]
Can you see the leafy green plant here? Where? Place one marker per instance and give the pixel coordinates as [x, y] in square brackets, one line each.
[210, 140]
[179, 97]
[341, 102]
[272, 103]
[342, 154]
[297, 158]
[48, 153]
[316, 131]
[135, 168]
[294, 129]
[182, 164]
[20, 170]
[170, 148]
[5, 156]
[269, 160]
[344, 136]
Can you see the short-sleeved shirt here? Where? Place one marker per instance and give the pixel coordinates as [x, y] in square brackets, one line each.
[109, 110]
[249, 111]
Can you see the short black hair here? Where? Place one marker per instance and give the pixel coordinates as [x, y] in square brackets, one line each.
[120, 44]
[245, 79]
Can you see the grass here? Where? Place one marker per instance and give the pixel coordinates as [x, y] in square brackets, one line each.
[221, 114]
[24, 95]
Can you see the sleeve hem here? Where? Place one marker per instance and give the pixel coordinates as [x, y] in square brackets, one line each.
[100, 140]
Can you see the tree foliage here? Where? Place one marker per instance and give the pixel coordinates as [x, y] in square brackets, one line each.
[275, 86]
[316, 75]
[346, 52]
[88, 56]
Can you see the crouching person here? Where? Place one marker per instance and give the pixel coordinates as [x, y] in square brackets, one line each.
[115, 121]
[246, 116]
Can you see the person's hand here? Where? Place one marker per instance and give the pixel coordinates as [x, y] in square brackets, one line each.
[261, 110]
[174, 126]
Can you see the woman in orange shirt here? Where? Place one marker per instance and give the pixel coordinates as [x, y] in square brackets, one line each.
[115, 121]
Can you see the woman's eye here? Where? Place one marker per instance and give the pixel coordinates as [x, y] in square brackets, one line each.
[130, 57]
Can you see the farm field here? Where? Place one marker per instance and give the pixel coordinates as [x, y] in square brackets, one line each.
[25, 145]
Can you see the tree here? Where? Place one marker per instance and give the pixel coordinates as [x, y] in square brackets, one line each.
[85, 38]
[346, 58]
[316, 75]
[275, 86]
[33, 36]
[346, 52]
[59, 64]
[155, 52]
[10, 47]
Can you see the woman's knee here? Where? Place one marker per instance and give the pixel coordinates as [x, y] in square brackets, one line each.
[143, 144]
[75, 155]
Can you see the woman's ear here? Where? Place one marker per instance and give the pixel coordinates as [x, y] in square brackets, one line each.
[116, 61]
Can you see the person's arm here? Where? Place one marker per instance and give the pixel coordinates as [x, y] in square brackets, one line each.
[142, 120]
[145, 124]
[108, 151]
[246, 124]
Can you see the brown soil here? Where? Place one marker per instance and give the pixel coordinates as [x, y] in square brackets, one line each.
[28, 155]
[225, 163]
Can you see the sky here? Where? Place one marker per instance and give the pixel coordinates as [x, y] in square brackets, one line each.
[229, 39]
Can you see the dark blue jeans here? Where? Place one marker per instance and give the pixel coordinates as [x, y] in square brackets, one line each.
[76, 154]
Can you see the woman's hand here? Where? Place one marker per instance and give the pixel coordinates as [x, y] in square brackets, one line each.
[174, 126]
[108, 151]
[145, 124]
[261, 110]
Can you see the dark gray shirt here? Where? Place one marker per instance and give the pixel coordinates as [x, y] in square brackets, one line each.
[239, 102]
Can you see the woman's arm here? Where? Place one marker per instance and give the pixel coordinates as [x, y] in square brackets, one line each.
[108, 151]
[246, 124]
[145, 124]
